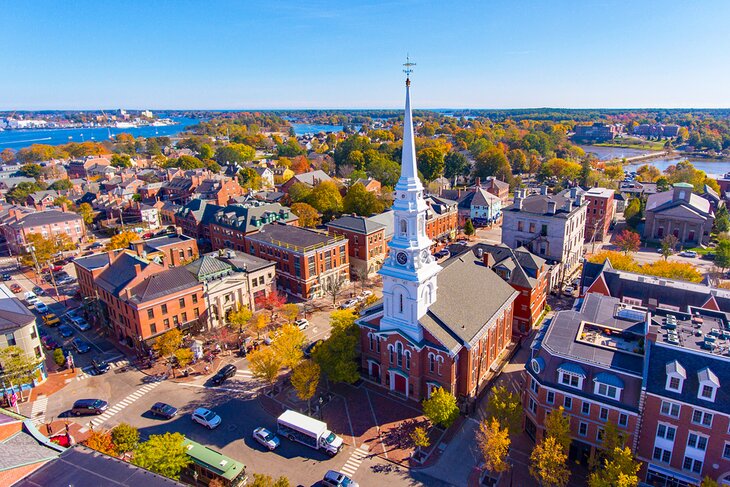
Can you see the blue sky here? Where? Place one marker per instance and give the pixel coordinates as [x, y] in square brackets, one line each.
[348, 54]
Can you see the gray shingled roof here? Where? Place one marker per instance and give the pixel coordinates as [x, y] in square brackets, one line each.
[47, 217]
[164, 283]
[359, 224]
[120, 273]
[469, 295]
[23, 449]
[93, 261]
[287, 234]
[81, 466]
[208, 266]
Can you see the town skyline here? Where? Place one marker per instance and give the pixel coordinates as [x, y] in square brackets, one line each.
[326, 56]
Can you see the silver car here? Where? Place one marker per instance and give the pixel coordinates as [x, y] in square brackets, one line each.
[266, 438]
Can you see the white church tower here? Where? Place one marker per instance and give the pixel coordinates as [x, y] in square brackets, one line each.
[409, 272]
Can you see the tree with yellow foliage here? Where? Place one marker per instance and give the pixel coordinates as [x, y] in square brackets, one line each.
[548, 464]
[619, 470]
[494, 444]
[259, 322]
[288, 345]
[122, 240]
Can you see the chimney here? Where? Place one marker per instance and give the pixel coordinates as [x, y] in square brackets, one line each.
[573, 192]
[551, 207]
[178, 231]
[488, 259]
[112, 255]
[518, 199]
[544, 190]
[138, 246]
[568, 205]
[479, 182]
[137, 269]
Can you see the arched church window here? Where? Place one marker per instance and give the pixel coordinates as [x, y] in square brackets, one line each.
[390, 353]
[399, 354]
[408, 360]
[372, 341]
[431, 362]
[403, 227]
[400, 303]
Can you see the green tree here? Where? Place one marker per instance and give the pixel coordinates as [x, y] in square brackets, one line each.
[308, 216]
[31, 170]
[125, 437]
[557, 426]
[17, 366]
[548, 464]
[121, 160]
[298, 193]
[337, 355]
[163, 454]
[668, 244]
[305, 379]
[61, 185]
[19, 194]
[233, 153]
[248, 178]
[632, 213]
[326, 199]
[505, 407]
[618, 471]
[431, 163]
[167, 343]
[492, 162]
[206, 152]
[43, 248]
[183, 356]
[441, 407]
[469, 227]
[722, 254]
[385, 170]
[722, 220]
[59, 357]
[263, 480]
[360, 201]
[264, 364]
[63, 200]
[494, 442]
[455, 164]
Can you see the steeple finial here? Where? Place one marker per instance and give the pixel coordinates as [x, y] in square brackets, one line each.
[409, 69]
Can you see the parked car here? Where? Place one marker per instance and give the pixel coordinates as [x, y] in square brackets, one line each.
[89, 406]
[366, 294]
[442, 253]
[65, 280]
[81, 346]
[163, 410]
[308, 349]
[226, 372]
[29, 295]
[50, 319]
[15, 288]
[6, 276]
[65, 331]
[688, 253]
[301, 323]
[266, 438]
[41, 307]
[350, 303]
[38, 291]
[55, 268]
[569, 290]
[49, 343]
[338, 479]
[96, 245]
[80, 323]
[101, 367]
[206, 417]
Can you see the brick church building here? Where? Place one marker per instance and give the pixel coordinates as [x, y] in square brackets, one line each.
[435, 326]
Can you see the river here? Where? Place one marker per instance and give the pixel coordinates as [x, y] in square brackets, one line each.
[17, 139]
[710, 166]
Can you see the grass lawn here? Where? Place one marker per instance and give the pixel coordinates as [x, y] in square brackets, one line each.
[632, 143]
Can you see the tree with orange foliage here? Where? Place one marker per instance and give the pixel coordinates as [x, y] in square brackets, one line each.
[300, 164]
[618, 260]
[628, 241]
[101, 441]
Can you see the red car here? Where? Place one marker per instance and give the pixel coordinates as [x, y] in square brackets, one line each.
[55, 268]
[15, 288]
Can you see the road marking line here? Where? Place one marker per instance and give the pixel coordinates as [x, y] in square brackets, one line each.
[38, 411]
[119, 406]
[355, 460]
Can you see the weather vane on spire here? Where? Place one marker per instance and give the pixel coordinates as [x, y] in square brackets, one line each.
[409, 69]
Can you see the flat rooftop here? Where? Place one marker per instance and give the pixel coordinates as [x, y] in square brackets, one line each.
[698, 329]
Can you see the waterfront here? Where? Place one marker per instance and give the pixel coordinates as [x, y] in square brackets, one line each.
[314, 128]
[17, 139]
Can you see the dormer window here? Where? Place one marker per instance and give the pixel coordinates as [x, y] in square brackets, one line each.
[608, 385]
[676, 374]
[571, 375]
[709, 384]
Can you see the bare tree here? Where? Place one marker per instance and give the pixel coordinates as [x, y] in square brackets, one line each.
[362, 274]
[333, 287]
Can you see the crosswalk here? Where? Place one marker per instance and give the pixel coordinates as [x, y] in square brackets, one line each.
[356, 458]
[114, 363]
[145, 389]
[38, 411]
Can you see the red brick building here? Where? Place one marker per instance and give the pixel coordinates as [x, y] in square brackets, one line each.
[139, 299]
[590, 361]
[527, 274]
[366, 242]
[308, 263]
[218, 190]
[168, 250]
[600, 213]
[18, 222]
[230, 225]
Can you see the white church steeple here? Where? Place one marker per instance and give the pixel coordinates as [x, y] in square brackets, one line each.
[409, 272]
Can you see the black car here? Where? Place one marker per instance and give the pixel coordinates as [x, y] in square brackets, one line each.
[81, 346]
[224, 373]
[163, 410]
[308, 349]
[89, 406]
[6, 276]
[101, 367]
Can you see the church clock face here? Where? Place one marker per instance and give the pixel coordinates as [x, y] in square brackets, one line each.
[402, 258]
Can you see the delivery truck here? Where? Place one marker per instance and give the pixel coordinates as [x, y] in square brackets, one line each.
[308, 431]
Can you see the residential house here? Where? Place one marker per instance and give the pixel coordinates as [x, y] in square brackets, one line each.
[310, 179]
[18, 222]
[168, 250]
[372, 185]
[219, 190]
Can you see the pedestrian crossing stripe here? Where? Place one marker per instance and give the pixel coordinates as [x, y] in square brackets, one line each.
[38, 411]
[356, 458]
[83, 374]
[101, 419]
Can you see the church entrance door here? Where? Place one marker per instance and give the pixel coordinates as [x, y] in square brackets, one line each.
[399, 384]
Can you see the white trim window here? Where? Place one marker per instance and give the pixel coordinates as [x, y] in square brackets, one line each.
[571, 380]
[697, 441]
[676, 374]
[662, 454]
[670, 409]
[607, 390]
[703, 418]
[726, 451]
[709, 384]
[666, 432]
